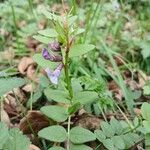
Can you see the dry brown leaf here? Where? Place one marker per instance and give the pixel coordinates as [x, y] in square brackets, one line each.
[10, 99]
[4, 117]
[39, 48]
[37, 121]
[109, 40]
[116, 90]
[118, 61]
[137, 111]
[143, 78]
[33, 147]
[112, 86]
[28, 88]
[119, 95]
[127, 74]
[20, 95]
[11, 105]
[17, 93]
[81, 111]
[88, 121]
[24, 64]
[31, 73]
[32, 43]
[111, 70]
[7, 55]
[58, 8]
[22, 23]
[132, 84]
[3, 32]
[42, 24]
[128, 26]
[10, 109]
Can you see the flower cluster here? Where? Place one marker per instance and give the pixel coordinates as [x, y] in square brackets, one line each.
[54, 47]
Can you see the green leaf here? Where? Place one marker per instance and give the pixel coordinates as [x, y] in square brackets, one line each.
[42, 39]
[44, 81]
[17, 141]
[86, 97]
[74, 108]
[128, 140]
[36, 96]
[146, 89]
[56, 148]
[145, 45]
[38, 58]
[107, 129]
[147, 141]
[50, 16]
[76, 85]
[108, 143]
[48, 32]
[116, 126]
[80, 135]
[80, 49]
[100, 135]
[118, 142]
[54, 133]
[79, 31]
[134, 94]
[80, 147]
[146, 125]
[146, 111]
[72, 20]
[57, 113]
[8, 84]
[136, 138]
[3, 134]
[57, 95]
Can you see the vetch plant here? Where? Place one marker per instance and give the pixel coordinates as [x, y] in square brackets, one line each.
[53, 75]
[55, 59]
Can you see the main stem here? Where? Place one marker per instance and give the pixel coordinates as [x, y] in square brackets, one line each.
[68, 130]
[68, 79]
[69, 88]
[68, 82]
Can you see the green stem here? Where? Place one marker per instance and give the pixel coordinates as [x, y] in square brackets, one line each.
[31, 8]
[68, 80]
[31, 5]
[15, 25]
[127, 120]
[103, 114]
[69, 88]
[68, 129]
[66, 67]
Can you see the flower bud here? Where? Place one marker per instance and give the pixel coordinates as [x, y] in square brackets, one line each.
[48, 56]
[54, 46]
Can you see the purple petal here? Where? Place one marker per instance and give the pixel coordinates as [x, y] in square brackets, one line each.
[54, 75]
[53, 78]
[60, 66]
[55, 46]
[48, 71]
[57, 73]
[57, 58]
[48, 56]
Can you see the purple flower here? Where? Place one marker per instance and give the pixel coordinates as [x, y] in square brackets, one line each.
[54, 75]
[54, 46]
[51, 57]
